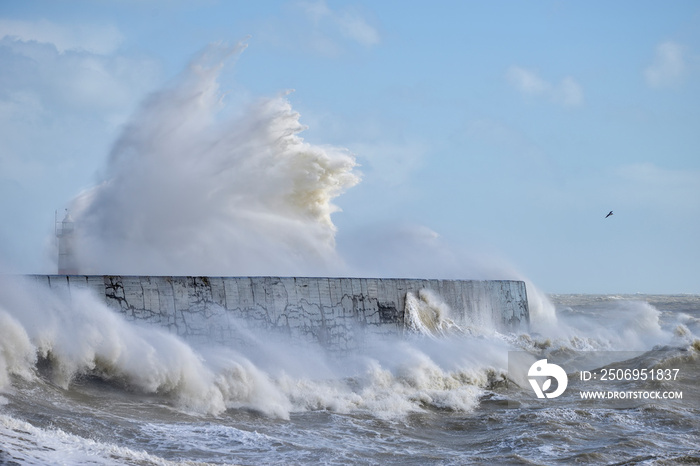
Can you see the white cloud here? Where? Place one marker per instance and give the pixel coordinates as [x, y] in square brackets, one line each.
[69, 69]
[567, 92]
[527, 81]
[313, 26]
[668, 66]
[348, 22]
[99, 39]
[61, 104]
[73, 80]
[316, 11]
[355, 27]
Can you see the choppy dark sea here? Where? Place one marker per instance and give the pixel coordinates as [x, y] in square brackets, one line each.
[98, 390]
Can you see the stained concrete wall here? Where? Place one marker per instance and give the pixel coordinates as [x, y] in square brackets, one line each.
[338, 313]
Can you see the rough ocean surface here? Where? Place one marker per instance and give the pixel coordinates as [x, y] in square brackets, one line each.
[80, 384]
[196, 187]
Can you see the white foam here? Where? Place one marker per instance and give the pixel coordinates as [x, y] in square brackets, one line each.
[215, 439]
[26, 444]
[543, 316]
[427, 314]
[453, 369]
[619, 325]
[17, 356]
[195, 188]
[79, 335]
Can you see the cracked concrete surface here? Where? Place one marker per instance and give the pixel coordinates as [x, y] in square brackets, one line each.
[337, 313]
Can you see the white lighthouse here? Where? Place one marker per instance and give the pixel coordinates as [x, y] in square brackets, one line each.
[65, 232]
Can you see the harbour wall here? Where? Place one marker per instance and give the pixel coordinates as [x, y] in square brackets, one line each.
[337, 313]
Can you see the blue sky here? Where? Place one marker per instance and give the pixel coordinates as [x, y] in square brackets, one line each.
[492, 137]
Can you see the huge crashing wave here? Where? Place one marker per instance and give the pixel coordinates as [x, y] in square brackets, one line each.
[192, 187]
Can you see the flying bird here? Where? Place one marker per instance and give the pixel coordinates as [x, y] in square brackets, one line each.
[609, 214]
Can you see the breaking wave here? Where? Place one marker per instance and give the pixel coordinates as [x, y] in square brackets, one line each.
[194, 188]
[46, 337]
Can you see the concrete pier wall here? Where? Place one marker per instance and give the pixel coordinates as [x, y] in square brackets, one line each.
[338, 313]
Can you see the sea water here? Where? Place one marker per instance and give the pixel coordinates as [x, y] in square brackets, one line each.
[197, 186]
[80, 385]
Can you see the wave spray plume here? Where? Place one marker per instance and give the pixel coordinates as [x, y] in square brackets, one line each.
[190, 191]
